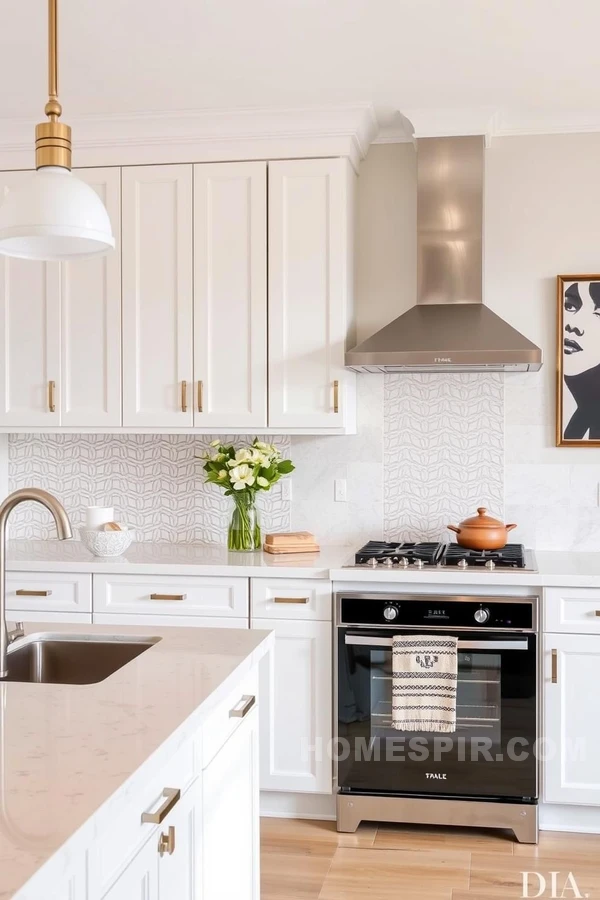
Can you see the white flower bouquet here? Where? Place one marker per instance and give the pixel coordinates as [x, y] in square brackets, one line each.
[242, 473]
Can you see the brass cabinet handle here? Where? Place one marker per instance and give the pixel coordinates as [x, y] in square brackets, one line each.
[336, 396]
[168, 596]
[172, 796]
[51, 403]
[238, 712]
[555, 667]
[184, 396]
[598, 612]
[166, 842]
[200, 396]
[290, 599]
[23, 593]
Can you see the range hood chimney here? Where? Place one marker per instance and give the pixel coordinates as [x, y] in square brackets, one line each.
[450, 329]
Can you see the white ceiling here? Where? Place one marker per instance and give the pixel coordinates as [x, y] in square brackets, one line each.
[126, 56]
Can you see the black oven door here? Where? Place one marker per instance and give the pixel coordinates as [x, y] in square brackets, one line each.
[491, 753]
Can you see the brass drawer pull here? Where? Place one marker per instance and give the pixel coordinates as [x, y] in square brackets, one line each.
[555, 667]
[291, 599]
[168, 596]
[598, 612]
[172, 796]
[184, 396]
[336, 396]
[23, 593]
[238, 712]
[200, 396]
[51, 403]
[166, 842]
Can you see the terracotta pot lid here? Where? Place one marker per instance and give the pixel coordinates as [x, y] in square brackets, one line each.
[481, 520]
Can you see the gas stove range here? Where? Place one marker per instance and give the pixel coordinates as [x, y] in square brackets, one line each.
[426, 555]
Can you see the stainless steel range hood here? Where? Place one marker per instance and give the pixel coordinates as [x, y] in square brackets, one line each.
[450, 329]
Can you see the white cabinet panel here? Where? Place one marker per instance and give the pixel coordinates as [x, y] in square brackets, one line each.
[575, 610]
[230, 295]
[230, 818]
[296, 707]
[572, 726]
[309, 291]
[90, 380]
[157, 296]
[29, 334]
[139, 881]
[291, 598]
[171, 595]
[49, 591]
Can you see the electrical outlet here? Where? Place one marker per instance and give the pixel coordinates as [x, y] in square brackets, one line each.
[340, 494]
[286, 489]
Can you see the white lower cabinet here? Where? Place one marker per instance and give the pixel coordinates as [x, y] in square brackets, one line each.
[296, 707]
[139, 881]
[230, 818]
[571, 723]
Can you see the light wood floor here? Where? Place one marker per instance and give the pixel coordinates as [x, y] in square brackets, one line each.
[309, 860]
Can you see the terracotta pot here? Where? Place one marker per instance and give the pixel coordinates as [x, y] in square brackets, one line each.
[482, 532]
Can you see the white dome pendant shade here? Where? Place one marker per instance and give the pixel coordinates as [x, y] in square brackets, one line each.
[53, 214]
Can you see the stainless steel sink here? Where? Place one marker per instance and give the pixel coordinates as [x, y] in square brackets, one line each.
[71, 659]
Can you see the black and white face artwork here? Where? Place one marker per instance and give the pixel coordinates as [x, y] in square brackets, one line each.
[579, 361]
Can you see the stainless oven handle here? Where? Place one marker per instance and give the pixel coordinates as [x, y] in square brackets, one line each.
[363, 640]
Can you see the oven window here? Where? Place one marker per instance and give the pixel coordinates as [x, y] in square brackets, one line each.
[478, 700]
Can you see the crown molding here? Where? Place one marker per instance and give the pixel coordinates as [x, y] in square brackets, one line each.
[204, 136]
[416, 123]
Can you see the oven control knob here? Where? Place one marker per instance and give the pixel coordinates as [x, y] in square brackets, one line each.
[482, 616]
[462, 564]
[418, 564]
[372, 562]
[388, 563]
[403, 563]
[390, 613]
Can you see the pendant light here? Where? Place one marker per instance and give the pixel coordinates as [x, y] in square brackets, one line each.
[53, 214]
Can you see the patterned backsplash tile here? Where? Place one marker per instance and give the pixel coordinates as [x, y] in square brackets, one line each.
[153, 481]
[443, 451]
[429, 450]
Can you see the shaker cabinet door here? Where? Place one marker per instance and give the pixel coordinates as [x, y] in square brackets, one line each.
[90, 381]
[309, 286]
[572, 726]
[230, 295]
[139, 881]
[157, 296]
[29, 335]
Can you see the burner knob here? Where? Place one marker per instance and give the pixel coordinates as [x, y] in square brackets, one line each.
[390, 613]
[388, 562]
[372, 562]
[462, 564]
[418, 564]
[482, 616]
[403, 563]
[490, 564]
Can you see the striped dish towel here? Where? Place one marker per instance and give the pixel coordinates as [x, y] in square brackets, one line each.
[424, 675]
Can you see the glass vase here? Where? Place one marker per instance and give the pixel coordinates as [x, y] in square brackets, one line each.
[244, 528]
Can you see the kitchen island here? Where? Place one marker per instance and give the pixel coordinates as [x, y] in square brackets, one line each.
[135, 786]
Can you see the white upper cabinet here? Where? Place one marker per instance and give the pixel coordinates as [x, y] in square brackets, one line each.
[157, 296]
[310, 284]
[230, 295]
[90, 376]
[29, 335]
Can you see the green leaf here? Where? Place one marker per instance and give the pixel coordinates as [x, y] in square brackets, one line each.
[285, 467]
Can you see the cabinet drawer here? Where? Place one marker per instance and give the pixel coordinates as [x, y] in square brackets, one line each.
[219, 727]
[48, 592]
[291, 598]
[124, 832]
[572, 610]
[171, 595]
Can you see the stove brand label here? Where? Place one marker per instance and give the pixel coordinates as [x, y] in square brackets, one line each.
[442, 359]
[437, 776]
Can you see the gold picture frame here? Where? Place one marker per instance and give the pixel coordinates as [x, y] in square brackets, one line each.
[578, 361]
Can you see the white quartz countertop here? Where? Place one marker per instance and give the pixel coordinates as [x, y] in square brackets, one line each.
[559, 569]
[172, 559]
[66, 749]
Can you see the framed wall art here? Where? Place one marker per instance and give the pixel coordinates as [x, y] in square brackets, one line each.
[578, 361]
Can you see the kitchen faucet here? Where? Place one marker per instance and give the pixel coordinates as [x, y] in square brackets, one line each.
[63, 527]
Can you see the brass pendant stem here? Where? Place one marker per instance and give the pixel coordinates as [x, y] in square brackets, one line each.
[53, 138]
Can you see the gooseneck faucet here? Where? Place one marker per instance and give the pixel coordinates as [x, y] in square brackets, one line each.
[63, 528]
